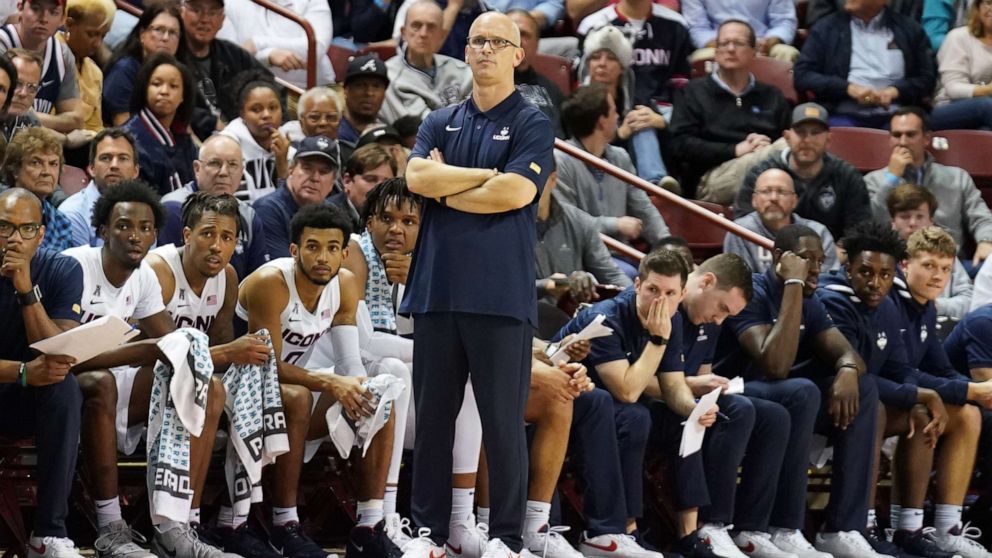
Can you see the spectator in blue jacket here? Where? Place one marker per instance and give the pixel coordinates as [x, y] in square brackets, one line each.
[864, 63]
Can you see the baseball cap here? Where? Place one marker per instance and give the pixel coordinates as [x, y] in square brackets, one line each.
[379, 133]
[810, 112]
[366, 65]
[319, 146]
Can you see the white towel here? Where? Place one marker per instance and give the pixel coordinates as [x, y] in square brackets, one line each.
[257, 428]
[177, 410]
[346, 433]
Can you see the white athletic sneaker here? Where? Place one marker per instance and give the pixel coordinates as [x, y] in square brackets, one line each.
[118, 542]
[549, 543]
[718, 537]
[961, 541]
[52, 547]
[467, 539]
[846, 544]
[758, 544]
[496, 548]
[423, 546]
[612, 546]
[183, 541]
[398, 529]
[792, 540]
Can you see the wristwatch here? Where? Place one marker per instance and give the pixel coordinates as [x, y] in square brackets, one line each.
[658, 340]
[31, 297]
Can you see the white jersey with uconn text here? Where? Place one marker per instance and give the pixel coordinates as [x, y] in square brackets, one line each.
[300, 328]
[186, 308]
[139, 297]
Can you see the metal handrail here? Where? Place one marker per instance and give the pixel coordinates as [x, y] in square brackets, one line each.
[307, 28]
[128, 7]
[684, 204]
[617, 246]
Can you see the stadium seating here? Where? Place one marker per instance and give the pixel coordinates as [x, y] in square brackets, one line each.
[866, 149]
[73, 179]
[704, 237]
[556, 69]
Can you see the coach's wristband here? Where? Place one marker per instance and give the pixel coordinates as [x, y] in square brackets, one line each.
[794, 282]
[22, 375]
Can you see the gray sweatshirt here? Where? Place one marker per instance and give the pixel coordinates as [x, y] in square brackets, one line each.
[413, 91]
[759, 259]
[605, 197]
[960, 207]
[569, 241]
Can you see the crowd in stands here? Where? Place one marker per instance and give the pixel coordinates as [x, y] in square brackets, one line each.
[270, 243]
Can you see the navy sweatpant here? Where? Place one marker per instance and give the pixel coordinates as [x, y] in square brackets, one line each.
[496, 352]
[610, 438]
[854, 449]
[801, 399]
[53, 415]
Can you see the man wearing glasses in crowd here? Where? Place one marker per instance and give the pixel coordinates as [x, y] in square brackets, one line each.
[217, 61]
[218, 171]
[481, 165]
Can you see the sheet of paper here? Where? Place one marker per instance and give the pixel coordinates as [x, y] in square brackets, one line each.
[88, 340]
[693, 432]
[735, 385]
[593, 330]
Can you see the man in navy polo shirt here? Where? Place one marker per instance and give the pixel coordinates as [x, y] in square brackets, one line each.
[39, 298]
[857, 300]
[643, 357]
[481, 164]
[771, 344]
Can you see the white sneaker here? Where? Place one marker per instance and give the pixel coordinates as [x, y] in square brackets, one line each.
[496, 548]
[182, 540]
[961, 541]
[610, 546]
[718, 537]
[846, 544]
[423, 546]
[398, 529]
[549, 543]
[756, 543]
[52, 547]
[792, 540]
[467, 539]
[118, 542]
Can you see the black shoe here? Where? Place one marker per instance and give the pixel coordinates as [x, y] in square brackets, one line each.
[691, 546]
[244, 541]
[292, 542]
[913, 542]
[206, 535]
[880, 544]
[371, 542]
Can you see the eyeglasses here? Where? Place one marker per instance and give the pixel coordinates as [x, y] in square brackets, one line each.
[496, 43]
[160, 31]
[215, 165]
[315, 118]
[201, 11]
[727, 45]
[773, 192]
[30, 88]
[27, 230]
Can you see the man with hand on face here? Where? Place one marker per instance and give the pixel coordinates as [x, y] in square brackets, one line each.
[924, 274]
[112, 159]
[218, 170]
[961, 209]
[789, 352]
[304, 297]
[39, 298]
[33, 161]
[310, 181]
[858, 302]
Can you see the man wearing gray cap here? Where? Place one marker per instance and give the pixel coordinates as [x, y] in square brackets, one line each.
[311, 178]
[828, 189]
